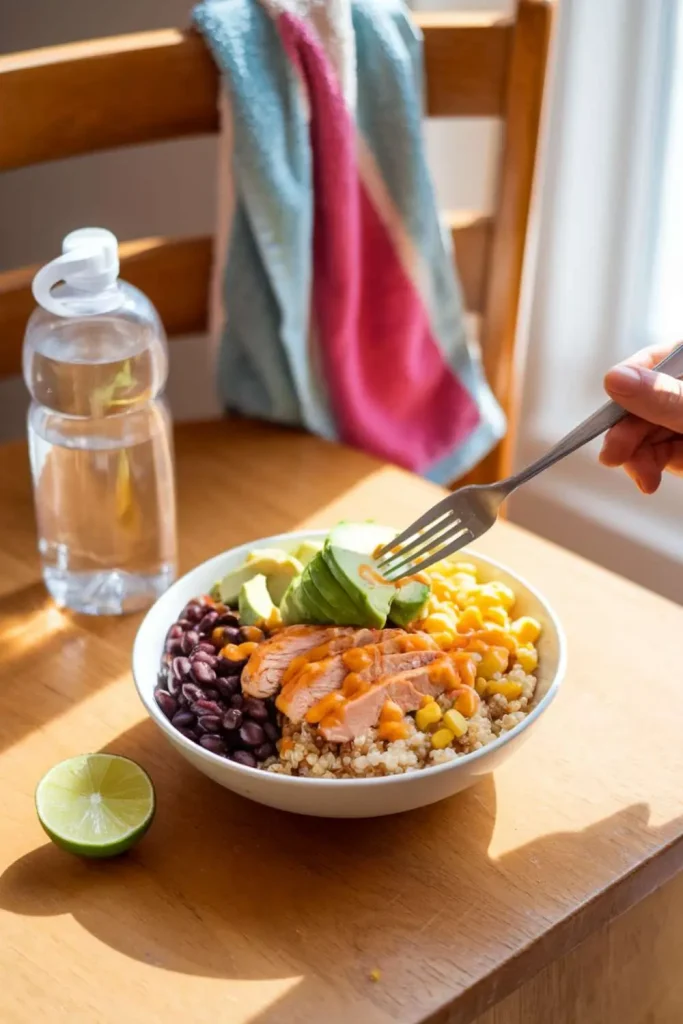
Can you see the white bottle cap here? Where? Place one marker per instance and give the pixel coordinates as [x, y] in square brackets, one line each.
[89, 264]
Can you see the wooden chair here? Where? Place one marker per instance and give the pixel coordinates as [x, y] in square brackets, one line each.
[476, 66]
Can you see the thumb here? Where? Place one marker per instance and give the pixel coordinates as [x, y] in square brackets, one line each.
[654, 397]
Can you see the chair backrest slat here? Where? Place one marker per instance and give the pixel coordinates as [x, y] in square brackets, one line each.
[175, 274]
[68, 100]
[65, 100]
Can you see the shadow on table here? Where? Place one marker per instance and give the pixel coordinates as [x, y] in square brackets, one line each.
[224, 499]
[220, 881]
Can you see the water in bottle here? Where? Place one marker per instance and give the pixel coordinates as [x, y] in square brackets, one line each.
[96, 362]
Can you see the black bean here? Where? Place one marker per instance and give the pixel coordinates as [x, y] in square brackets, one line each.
[228, 687]
[190, 641]
[225, 667]
[208, 659]
[202, 673]
[166, 702]
[213, 743]
[206, 624]
[237, 701]
[244, 757]
[191, 693]
[251, 734]
[265, 751]
[207, 707]
[255, 709]
[183, 720]
[174, 647]
[232, 719]
[230, 619]
[212, 694]
[181, 667]
[193, 611]
[184, 624]
[271, 731]
[189, 734]
[173, 685]
[175, 632]
[209, 723]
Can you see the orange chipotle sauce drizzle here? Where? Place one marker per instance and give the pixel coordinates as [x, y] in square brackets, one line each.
[370, 575]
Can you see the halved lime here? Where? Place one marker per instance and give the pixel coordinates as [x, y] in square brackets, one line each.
[96, 805]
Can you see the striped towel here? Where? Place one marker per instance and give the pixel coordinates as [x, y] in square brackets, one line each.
[336, 301]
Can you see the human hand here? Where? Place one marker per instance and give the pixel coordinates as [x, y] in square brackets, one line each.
[650, 440]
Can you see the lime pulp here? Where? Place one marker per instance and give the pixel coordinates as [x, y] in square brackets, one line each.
[96, 805]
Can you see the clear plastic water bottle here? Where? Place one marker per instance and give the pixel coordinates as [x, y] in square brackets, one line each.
[96, 362]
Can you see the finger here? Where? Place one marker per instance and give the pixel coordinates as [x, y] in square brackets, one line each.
[644, 470]
[653, 397]
[674, 462]
[650, 356]
[623, 440]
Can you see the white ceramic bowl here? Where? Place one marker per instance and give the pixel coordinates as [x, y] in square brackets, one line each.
[341, 798]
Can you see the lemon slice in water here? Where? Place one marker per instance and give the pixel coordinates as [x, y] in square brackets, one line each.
[96, 805]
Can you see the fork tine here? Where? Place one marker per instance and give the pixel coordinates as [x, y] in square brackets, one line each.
[422, 544]
[455, 541]
[425, 520]
[418, 541]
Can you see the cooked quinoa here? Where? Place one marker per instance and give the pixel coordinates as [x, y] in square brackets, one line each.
[505, 685]
[304, 752]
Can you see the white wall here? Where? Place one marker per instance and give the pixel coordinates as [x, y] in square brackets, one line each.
[166, 188]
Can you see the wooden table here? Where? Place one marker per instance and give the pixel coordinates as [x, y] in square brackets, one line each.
[499, 904]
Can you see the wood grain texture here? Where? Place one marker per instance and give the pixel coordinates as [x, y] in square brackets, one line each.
[230, 911]
[64, 100]
[521, 117]
[628, 972]
[175, 273]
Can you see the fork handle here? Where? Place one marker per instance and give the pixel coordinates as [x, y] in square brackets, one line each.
[607, 416]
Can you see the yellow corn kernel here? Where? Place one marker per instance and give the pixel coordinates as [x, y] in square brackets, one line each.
[467, 568]
[430, 714]
[467, 702]
[443, 640]
[498, 637]
[375, 974]
[481, 686]
[439, 622]
[498, 617]
[457, 723]
[526, 629]
[506, 596]
[527, 656]
[495, 659]
[508, 689]
[470, 619]
[441, 739]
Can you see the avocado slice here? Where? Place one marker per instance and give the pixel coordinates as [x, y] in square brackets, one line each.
[307, 551]
[254, 602]
[346, 611]
[314, 603]
[290, 608]
[277, 566]
[410, 598]
[362, 537]
[351, 570]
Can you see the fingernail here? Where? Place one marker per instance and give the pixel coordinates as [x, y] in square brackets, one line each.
[623, 380]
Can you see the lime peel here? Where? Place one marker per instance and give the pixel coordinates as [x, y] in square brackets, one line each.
[96, 805]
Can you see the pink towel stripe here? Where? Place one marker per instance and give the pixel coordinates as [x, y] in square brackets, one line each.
[391, 391]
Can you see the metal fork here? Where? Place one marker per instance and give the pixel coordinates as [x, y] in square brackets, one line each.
[465, 515]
